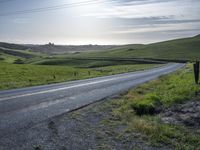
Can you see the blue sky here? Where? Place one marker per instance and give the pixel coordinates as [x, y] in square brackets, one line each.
[98, 21]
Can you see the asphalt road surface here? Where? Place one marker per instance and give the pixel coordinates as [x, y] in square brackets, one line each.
[25, 107]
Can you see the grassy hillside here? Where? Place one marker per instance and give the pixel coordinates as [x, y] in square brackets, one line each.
[13, 46]
[187, 48]
[12, 55]
[52, 49]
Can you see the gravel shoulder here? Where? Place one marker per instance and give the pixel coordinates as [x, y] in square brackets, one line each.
[87, 128]
[82, 129]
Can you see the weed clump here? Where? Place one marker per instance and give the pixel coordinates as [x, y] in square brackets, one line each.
[148, 105]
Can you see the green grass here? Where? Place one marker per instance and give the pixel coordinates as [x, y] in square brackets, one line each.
[135, 110]
[126, 68]
[77, 63]
[187, 48]
[168, 90]
[15, 76]
[84, 63]
[18, 53]
[177, 137]
[8, 58]
[11, 55]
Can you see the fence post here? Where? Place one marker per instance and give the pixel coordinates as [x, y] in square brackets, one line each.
[196, 72]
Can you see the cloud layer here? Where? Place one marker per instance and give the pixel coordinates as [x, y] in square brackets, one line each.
[106, 22]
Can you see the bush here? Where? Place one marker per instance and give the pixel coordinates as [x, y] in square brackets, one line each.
[148, 105]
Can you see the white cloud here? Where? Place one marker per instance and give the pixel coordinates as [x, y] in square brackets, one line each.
[180, 9]
[158, 28]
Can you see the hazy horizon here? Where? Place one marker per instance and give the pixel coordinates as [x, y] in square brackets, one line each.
[65, 44]
[102, 22]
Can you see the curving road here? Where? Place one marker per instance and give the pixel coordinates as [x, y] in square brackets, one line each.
[22, 108]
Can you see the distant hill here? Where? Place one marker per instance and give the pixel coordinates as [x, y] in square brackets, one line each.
[61, 49]
[17, 53]
[186, 48]
[13, 46]
[52, 49]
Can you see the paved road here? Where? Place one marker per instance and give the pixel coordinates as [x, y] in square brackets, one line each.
[22, 108]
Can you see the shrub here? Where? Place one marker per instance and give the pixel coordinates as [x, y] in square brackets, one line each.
[147, 105]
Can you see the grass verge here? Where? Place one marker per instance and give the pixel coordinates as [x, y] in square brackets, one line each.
[15, 75]
[135, 110]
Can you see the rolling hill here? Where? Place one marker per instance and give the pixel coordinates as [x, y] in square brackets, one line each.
[179, 49]
[187, 48]
[52, 49]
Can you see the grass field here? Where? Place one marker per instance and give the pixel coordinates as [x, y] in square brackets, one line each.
[15, 76]
[83, 63]
[136, 110]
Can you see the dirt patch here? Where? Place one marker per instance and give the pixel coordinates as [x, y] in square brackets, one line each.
[187, 114]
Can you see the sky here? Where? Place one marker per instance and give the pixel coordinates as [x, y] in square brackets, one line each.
[103, 22]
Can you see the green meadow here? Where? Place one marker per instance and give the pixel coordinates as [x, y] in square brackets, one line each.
[23, 75]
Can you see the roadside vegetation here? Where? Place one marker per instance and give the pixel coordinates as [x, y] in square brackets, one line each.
[23, 75]
[139, 111]
[168, 90]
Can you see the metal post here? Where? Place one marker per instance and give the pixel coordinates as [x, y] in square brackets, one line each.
[196, 72]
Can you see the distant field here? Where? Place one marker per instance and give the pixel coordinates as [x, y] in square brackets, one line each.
[82, 63]
[15, 76]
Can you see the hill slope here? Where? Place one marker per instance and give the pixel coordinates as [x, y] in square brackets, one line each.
[52, 49]
[187, 48]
